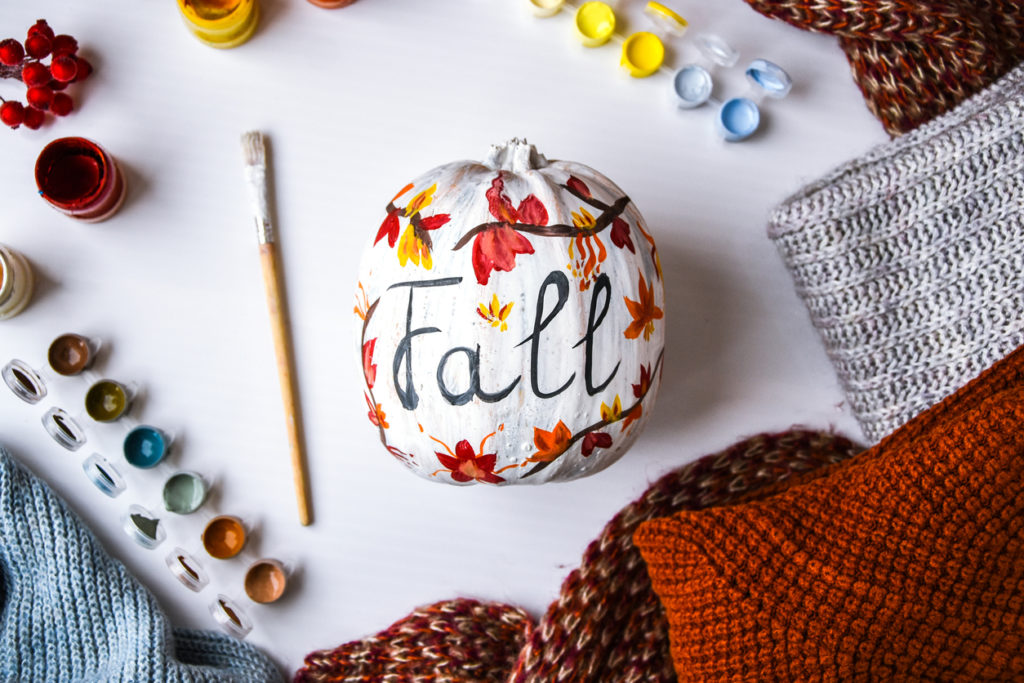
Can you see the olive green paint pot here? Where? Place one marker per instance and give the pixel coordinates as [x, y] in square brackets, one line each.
[106, 400]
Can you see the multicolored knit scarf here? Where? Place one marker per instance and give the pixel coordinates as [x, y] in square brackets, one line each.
[914, 59]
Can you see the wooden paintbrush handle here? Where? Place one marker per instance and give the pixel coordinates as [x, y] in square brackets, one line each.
[285, 373]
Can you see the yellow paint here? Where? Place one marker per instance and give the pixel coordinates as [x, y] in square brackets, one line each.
[220, 23]
[642, 54]
[666, 17]
[595, 23]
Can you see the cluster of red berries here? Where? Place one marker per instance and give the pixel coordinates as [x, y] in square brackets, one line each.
[45, 83]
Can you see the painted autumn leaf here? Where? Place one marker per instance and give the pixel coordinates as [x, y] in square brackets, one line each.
[369, 367]
[496, 247]
[551, 444]
[466, 465]
[496, 313]
[644, 312]
[376, 415]
[595, 440]
[620, 235]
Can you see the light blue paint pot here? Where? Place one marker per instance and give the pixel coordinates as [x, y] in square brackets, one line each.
[770, 77]
[738, 119]
[692, 84]
[145, 446]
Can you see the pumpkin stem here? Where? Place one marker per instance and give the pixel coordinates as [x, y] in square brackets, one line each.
[516, 155]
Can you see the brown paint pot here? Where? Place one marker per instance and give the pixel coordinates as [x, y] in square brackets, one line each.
[265, 581]
[78, 178]
[224, 537]
[71, 354]
[331, 4]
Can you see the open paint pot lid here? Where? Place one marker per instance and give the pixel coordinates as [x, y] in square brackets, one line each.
[187, 570]
[70, 354]
[545, 8]
[63, 428]
[265, 581]
[643, 53]
[145, 446]
[738, 119]
[23, 381]
[143, 528]
[224, 537]
[230, 617]
[666, 19]
[104, 475]
[716, 50]
[595, 23]
[692, 85]
[769, 77]
[185, 492]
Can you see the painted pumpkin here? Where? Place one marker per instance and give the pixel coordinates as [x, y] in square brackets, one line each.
[511, 321]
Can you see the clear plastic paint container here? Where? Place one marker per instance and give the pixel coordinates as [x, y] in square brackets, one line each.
[693, 84]
[71, 354]
[225, 536]
[104, 475]
[146, 446]
[643, 52]
[24, 381]
[545, 8]
[187, 570]
[16, 282]
[64, 429]
[740, 117]
[185, 492]
[230, 617]
[220, 23]
[143, 527]
[266, 580]
[108, 400]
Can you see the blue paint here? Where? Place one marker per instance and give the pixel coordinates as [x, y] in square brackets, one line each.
[738, 119]
[770, 77]
[145, 446]
[693, 86]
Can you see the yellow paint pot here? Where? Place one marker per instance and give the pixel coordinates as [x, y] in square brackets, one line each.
[546, 8]
[220, 23]
[642, 54]
[666, 18]
[595, 23]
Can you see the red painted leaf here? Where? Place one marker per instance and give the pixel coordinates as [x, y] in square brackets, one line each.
[578, 186]
[620, 235]
[390, 228]
[500, 206]
[434, 222]
[531, 210]
[595, 440]
[369, 367]
[496, 249]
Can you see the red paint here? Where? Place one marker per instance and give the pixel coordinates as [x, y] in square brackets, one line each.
[78, 178]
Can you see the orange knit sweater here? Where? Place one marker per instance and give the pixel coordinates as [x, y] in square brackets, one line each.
[905, 563]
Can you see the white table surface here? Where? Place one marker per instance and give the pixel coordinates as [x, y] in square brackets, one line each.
[357, 102]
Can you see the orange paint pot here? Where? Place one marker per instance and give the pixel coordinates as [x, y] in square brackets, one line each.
[224, 537]
[265, 581]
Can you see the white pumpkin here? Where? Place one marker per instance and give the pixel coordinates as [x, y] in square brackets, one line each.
[511, 321]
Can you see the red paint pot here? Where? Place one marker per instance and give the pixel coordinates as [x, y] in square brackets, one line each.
[79, 179]
[332, 4]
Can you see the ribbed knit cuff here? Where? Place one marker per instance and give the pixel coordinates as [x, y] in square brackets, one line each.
[910, 259]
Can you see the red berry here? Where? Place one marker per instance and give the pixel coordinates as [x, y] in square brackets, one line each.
[35, 73]
[84, 69]
[41, 28]
[61, 104]
[12, 113]
[34, 118]
[64, 45]
[11, 52]
[64, 68]
[38, 46]
[39, 97]
[56, 85]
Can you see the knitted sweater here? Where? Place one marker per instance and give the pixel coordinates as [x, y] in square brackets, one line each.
[71, 613]
[910, 259]
[904, 563]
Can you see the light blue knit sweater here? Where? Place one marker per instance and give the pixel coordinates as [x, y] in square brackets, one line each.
[72, 613]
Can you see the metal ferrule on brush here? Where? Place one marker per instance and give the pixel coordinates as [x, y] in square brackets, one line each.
[256, 177]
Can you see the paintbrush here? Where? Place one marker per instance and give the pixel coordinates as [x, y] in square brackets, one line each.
[255, 154]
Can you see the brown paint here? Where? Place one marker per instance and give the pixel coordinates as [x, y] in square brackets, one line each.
[70, 354]
[265, 581]
[224, 537]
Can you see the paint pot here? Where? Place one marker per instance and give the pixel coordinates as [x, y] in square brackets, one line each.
[692, 86]
[79, 179]
[738, 119]
[595, 23]
[771, 78]
[185, 492]
[143, 528]
[63, 429]
[716, 50]
[230, 617]
[70, 354]
[643, 54]
[265, 581]
[145, 446]
[667, 20]
[16, 282]
[187, 570]
[332, 4]
[544, 8]
[23, 381]
[104, 475]
[107, 400]
[220, 23]
[224, 537]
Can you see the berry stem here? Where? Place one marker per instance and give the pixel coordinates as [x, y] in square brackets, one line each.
[10, 71]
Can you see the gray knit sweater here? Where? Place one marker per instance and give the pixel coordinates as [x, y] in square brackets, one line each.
[910, 259]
